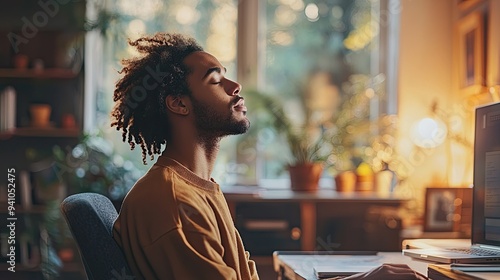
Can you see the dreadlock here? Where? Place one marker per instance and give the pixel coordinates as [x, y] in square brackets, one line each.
[139, 96]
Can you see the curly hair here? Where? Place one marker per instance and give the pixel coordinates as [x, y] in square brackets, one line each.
[139, 96]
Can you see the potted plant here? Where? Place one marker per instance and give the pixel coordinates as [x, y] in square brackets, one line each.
[337, 144]
[306, 143]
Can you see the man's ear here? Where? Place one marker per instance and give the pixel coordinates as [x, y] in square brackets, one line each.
[177, 105]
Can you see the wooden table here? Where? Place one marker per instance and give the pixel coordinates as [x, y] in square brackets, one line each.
[313, 215]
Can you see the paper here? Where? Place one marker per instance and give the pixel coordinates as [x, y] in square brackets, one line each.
[347, 265]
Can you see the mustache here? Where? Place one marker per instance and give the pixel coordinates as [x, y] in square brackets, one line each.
[236, 100]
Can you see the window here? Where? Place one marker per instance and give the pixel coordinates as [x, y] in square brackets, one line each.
[287, 48]
[212, 22]
[312, 48]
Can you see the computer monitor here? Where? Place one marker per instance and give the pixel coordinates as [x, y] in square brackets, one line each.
[486, 193]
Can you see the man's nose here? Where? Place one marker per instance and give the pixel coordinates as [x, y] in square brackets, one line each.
[234, 88]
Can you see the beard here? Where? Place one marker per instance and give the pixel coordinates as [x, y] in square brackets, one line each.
[211, 123]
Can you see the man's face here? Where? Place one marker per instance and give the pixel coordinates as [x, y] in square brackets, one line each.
[218, 108]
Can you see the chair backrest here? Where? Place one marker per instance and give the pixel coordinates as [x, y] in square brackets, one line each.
[90, 217]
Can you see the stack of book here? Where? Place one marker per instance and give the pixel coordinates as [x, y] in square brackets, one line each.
[7, 109]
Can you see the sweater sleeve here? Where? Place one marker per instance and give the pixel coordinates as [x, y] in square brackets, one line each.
[189, 255]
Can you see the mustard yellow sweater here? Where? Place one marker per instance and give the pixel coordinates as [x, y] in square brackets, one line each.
[176, 225]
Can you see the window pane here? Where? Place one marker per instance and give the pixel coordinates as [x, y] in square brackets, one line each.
[316, 53]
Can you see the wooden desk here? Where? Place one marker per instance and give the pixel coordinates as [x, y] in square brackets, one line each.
[322, 220]
[299, 265]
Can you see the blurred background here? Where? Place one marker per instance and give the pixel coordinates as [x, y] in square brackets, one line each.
[380, 92]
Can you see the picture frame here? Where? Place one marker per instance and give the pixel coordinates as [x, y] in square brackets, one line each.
[471, 53]
[448, 210]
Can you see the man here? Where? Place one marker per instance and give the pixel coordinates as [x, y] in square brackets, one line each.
[175, 223]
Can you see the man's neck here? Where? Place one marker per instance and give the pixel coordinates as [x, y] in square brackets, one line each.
[199, 157]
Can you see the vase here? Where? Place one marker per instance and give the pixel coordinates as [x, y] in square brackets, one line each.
[305, 177]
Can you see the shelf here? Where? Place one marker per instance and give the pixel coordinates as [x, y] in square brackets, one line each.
[34, 209]
[49, 73]
[73, 266]
[40, 132]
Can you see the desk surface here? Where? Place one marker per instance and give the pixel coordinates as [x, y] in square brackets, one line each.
[299, 265]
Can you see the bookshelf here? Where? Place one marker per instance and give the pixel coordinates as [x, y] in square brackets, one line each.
[42, 64]
[40, 132]
[52, 73]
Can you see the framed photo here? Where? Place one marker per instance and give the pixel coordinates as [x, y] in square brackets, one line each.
[447, 209]
[471, 53]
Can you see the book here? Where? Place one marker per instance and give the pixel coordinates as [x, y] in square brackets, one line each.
[11, 107]
[444, 272]
[25, 189]
[3, 111]
[329, 271]
[8, 109]
[476, 267]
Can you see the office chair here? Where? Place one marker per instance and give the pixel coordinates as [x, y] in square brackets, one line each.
[90, 217]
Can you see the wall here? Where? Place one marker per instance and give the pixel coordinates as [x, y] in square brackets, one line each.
[429, 71]
[425, 76]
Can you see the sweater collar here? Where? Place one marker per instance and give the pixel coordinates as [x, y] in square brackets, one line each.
[186, 173]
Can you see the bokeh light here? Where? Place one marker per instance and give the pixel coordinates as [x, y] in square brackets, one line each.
[312, 12]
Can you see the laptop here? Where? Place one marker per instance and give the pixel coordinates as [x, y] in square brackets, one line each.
[485, 235]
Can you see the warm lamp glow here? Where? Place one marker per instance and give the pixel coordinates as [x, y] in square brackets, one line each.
[429, 133]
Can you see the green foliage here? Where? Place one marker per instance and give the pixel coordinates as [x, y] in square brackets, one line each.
[93, 166]
[349, 136]
[90, 166]
[303, 147]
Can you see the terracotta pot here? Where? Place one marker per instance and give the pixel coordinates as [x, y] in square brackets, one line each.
[21, 61]
[40, 115]
[345, 181]
[68, 121]
[305, 177]
[364, 178]
[364, 183]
